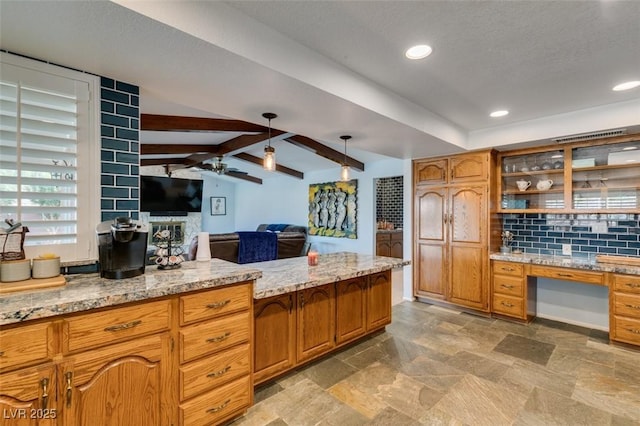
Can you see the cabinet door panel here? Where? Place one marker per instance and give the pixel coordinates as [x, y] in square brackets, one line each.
[379, 300]
[468, 277]
[431, 270]
[316, 322]
[15, 353]
[275, 336]
[214, 335]
[470, 167]
[27, 391]
[431, 172]
[468, 206]
[351, 310]
[430, 214]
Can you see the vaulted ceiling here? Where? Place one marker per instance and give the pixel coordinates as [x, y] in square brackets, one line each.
[329, 68]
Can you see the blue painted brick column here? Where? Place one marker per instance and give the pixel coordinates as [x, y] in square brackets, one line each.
[119, 154]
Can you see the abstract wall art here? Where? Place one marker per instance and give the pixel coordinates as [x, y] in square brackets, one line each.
[332, 209]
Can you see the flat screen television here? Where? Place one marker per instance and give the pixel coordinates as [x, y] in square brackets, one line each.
[164, 196]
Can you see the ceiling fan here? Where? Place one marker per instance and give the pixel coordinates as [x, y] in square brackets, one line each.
[220, 168]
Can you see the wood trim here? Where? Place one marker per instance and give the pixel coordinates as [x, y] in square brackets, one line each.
[162, 161]
[244, 176]
[279, 168]
[324, 151]
[177, 148]
[174, 123]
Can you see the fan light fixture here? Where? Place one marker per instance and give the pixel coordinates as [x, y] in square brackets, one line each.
[219, 167]
[269, 163]
[344, 175]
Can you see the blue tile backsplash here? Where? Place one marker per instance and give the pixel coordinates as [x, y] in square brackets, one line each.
[588, 234]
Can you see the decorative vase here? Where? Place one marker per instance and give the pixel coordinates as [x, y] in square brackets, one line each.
[505, 249]
[204, 251]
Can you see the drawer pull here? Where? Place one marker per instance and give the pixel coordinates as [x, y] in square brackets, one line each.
[219, 373]
[632, 306]
[632, 285]
[219, 338]
[68, 376]
[508, 305]
[506, 286]
[45, 393]
[633, 330]
[219, 407]
[508, 269]
[218, 305]
[1, 353]
[565, 275]
[123, 326]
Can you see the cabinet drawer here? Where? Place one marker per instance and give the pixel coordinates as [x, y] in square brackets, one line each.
[627, 305]
[24, 345]
[101, 328]
[626, 330]
[214, 335]
[508, 268]
[568, 274]
[626, 283]
[510, 286]
[217, 405]
[203, 375]
[507, 305]
[211, 304]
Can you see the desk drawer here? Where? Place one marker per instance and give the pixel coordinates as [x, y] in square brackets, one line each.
[627, 305]
[207, 373]
[215, 303]
[101, 328]
[511, 286]
[508, 268]
[626, 283]
[568, 274]
[507, 305]
[626, 330]
[214, 335]
[24, 345]
[218, 405]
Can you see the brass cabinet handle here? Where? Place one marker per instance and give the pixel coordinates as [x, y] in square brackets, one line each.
[445, 219]
[565, 275]
[218, 305]
[125, 326]
[508, 305]
[301, 301]
[632, 285]
[219, 407]
[1, 353]
[633, 330]
[506, 286]
[45, 392]
[508, 269]
[219, 338]
[632, 306]
[69, 376]
[219, 373]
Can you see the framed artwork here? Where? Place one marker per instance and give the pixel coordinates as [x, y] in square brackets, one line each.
[218, 206]
[332, 209]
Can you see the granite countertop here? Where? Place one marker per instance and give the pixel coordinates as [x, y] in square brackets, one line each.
[88, 291]
[288, 275]
[567, 262]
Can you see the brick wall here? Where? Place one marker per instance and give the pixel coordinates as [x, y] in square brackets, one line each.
[587, 233]
[389, 205]
[119, 154]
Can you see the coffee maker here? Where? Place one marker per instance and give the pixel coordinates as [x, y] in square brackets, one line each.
[122, 248]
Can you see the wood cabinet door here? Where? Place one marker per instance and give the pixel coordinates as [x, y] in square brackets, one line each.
[379, 300]
[430, 272]
[469, 283]
[316, 322]
[123, 384]
[351, 309]
[28, 397]
[397, 247]
[431, 172]
[383, 244]
[275, 336]
[469, 167]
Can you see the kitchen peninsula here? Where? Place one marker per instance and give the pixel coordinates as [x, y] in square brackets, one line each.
[182, 338]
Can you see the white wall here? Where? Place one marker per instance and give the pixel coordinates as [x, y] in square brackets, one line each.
[217, 187]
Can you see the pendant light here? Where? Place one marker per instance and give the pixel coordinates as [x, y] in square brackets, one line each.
[344, 175]
[269, 162]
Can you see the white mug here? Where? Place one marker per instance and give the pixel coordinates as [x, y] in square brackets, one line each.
[523, 184]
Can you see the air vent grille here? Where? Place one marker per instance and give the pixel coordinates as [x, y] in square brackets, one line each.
[590, 136]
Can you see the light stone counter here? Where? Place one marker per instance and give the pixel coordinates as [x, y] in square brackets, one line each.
[567, 262]
[289, 275]
[88, 291]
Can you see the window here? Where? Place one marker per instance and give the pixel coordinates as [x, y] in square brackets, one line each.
[48, 156]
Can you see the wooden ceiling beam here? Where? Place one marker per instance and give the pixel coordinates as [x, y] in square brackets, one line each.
[244, 176]
[146, 149]
[279, 168]
[161, 161]
[174, 123]
[325, 151]
[244, 141]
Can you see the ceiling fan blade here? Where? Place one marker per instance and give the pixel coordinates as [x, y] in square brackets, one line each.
[244, 176]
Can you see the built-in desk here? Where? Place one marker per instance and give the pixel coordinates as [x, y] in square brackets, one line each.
[514, 288]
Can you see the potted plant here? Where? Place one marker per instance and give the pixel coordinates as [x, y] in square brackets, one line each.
[507, 239]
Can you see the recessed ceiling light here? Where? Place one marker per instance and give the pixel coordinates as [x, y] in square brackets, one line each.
[626, 85]
[500, 113]
[418, 52]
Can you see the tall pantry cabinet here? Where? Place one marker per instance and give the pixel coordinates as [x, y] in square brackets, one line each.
[453, 214]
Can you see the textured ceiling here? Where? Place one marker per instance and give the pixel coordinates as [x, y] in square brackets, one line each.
[333, 67]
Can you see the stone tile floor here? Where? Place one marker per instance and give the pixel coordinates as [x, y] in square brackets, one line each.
[437, 366]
